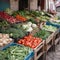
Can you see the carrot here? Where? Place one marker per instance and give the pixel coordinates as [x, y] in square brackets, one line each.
[20, 18]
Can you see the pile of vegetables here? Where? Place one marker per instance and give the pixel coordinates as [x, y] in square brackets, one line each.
[55, 22]
[15, 53]
[21, 18]
[30, 41]
[27, 15]
[4, 39]
[42, 34]
[14, 30]
[8, 18]
[4, 24]
[9, 11]
[29, 26]
[14, 33]
[49, 28]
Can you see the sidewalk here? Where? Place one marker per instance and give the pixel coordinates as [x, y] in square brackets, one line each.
[54, 55]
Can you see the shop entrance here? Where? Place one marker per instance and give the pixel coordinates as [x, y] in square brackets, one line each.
[23, 4]
[41, 3]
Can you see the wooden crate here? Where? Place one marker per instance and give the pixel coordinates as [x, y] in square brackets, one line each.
[56, 37]
[52, 40]
[39, 51]
[49, 42]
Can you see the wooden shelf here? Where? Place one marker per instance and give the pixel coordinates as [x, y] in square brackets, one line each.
[40, 48]
[49, 38]
[57, 40]
[48, 47]
[40, 55]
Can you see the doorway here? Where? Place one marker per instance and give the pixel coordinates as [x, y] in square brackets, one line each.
[41, 3]
[23, 4]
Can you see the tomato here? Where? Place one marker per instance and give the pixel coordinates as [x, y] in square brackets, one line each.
[30, 41]
[25, 37]
[20, 42]
[33, 46]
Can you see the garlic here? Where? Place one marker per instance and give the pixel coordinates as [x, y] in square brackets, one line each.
[5, 42]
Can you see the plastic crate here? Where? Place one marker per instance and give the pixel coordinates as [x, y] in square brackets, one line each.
[31, 54]
[56, 25]
[1, 48]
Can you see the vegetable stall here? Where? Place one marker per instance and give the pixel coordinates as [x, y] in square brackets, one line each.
[24, 33]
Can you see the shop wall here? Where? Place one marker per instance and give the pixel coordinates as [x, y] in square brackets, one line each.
[14, 4]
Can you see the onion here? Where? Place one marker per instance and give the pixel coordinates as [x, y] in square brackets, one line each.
[10, 39]
[5, 42]
[1, 44]
[5, 36]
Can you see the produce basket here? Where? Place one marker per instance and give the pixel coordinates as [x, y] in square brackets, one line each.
[1, 48]
[5, 40]
[53, 24]
[30, 55]
[39, 51]
[56, 37]
[49, 27]
[52, 39]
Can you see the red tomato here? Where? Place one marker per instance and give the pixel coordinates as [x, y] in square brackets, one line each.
[30, 41]
[20, 42]
[33, 46]
[25, 37]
